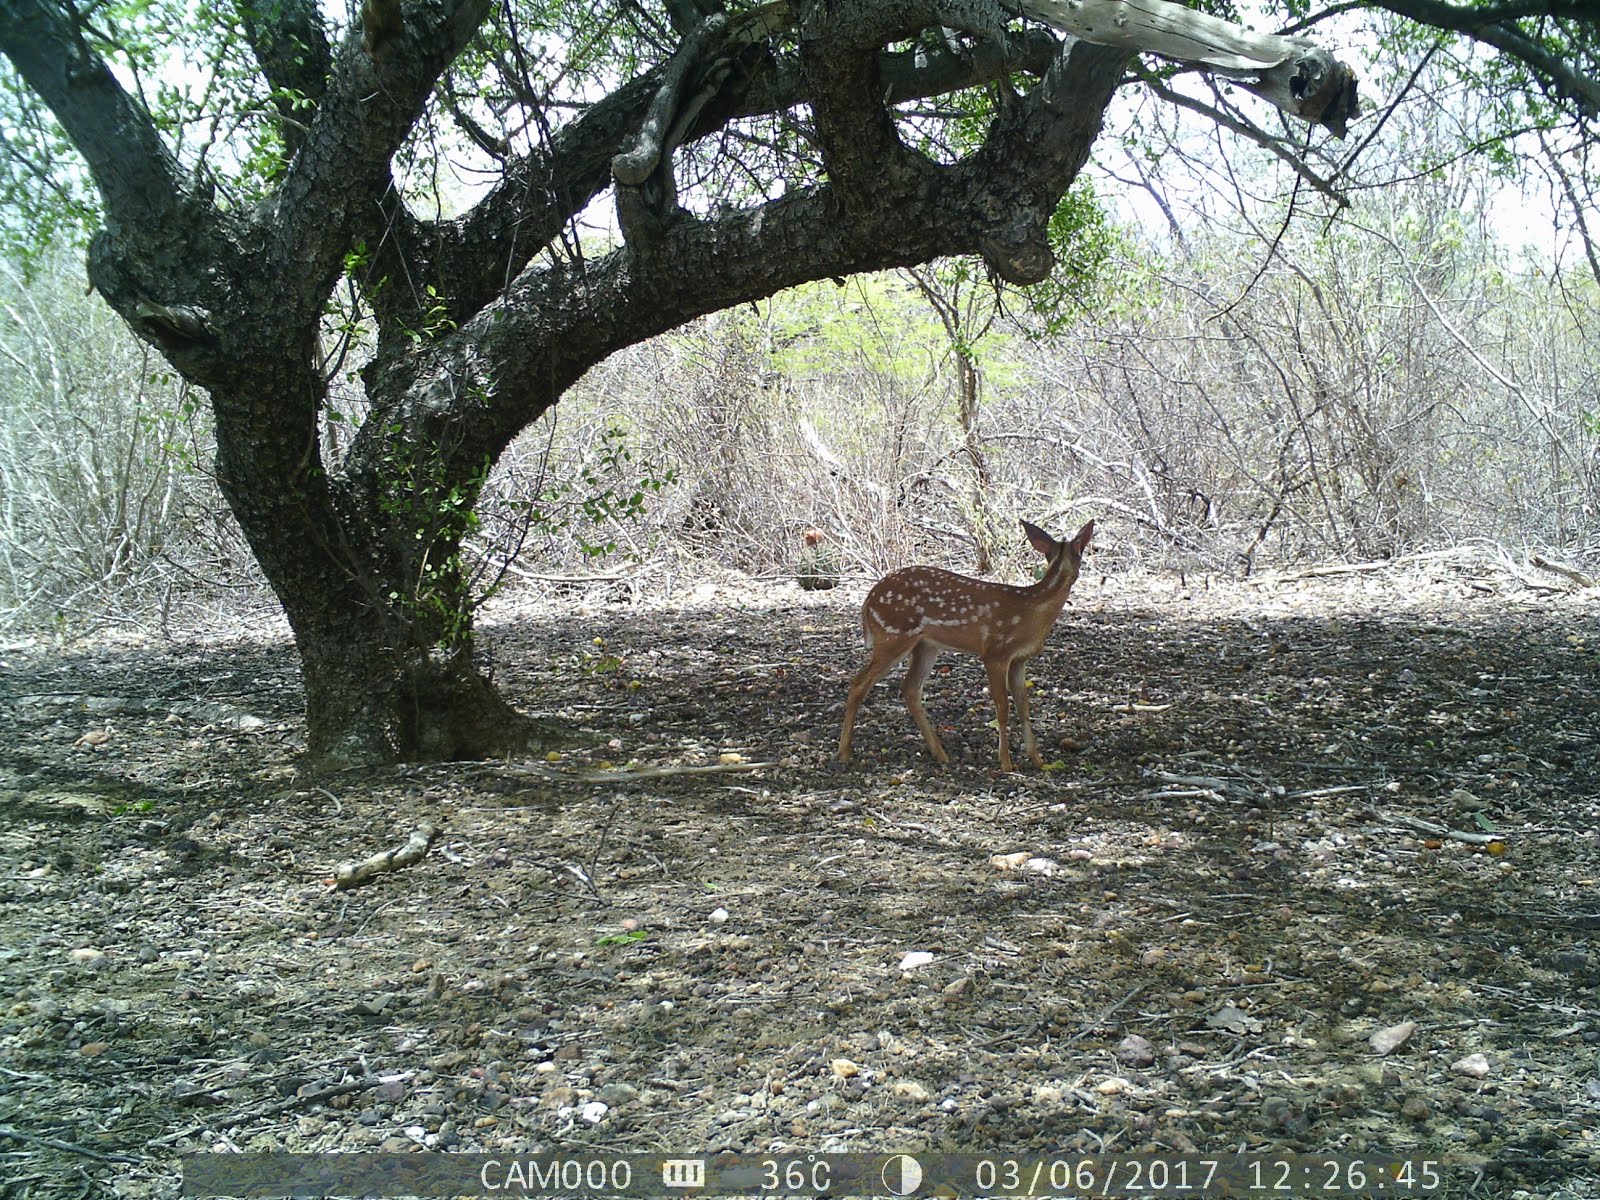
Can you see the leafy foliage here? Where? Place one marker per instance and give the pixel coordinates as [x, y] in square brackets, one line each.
[40, 208]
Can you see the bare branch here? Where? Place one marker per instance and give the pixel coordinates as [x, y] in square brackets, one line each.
[1296, 75]
[1245, 130]
[1569, 188]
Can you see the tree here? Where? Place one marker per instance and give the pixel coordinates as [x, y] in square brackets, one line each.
[967, 305]
[748, 147]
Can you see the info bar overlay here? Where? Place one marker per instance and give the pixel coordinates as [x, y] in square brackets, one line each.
[919, 1174]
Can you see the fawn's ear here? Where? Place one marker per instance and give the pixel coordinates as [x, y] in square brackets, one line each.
[1039, 539]
[1081, 543]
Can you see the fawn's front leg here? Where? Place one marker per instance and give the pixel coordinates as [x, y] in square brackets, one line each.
[998, 670]
[1019, 691]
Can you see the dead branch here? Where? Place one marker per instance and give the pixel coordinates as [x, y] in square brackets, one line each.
[57, 1144]
[1577, 577]
[633, 776]
[1182, 786]
[1328, 570]
[355, 874]
[1297, 76]
[266, 1110]
[1244, 129]
[1442, 831]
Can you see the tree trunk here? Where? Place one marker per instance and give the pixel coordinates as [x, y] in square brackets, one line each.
[387, 652]
[370, 575]
[369, 701]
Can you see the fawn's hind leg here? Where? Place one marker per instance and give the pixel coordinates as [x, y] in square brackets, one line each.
[884, 655]
[911, 689]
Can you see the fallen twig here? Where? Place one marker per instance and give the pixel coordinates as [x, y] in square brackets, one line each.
[265, 1110]
[1328, 569]
[1105, 1015]
[1187, 794]
[1455, 835]
[355, 874]
[58, 1144]
[1179, 786]
[1577, 577]
[632, 776]
[1325, 792]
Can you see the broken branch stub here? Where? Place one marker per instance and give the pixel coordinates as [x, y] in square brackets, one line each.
[634, 165]
[1298, 76]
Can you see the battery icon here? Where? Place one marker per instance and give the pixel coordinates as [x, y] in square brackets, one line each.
[683, 1172]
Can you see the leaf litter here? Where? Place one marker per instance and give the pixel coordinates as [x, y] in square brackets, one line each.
[1324, 875]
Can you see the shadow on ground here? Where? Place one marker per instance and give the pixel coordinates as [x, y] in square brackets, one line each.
[1183, 937]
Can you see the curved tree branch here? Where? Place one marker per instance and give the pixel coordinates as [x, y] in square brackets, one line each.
[541, 193]
[510, 362]
[634, 165]
[1495, 25]
[292, 50]
[1033, 153]
[140, 181]
[648, 158]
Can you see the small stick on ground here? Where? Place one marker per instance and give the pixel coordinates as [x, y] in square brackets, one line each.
[57, 1144]
[266, 1110]
[1444, 831]
[629, 776]
[355, 874]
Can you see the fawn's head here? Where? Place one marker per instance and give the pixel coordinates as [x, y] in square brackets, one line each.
[1064, 558]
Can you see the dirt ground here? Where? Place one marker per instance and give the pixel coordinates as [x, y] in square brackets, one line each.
[1183, 936]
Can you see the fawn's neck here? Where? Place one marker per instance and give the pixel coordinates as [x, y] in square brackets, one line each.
[1058, 577]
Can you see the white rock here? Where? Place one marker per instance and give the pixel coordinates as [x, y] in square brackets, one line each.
[1473, 1066]
[1387, 1041]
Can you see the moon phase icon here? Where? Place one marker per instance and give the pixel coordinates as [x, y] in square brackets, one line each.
[902, 1175]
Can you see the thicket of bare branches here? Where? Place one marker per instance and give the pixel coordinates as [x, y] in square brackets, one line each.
[1357, 397]
[1356, 393]
[107, 509]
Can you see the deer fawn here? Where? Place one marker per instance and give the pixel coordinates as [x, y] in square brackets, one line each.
[922, 610]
